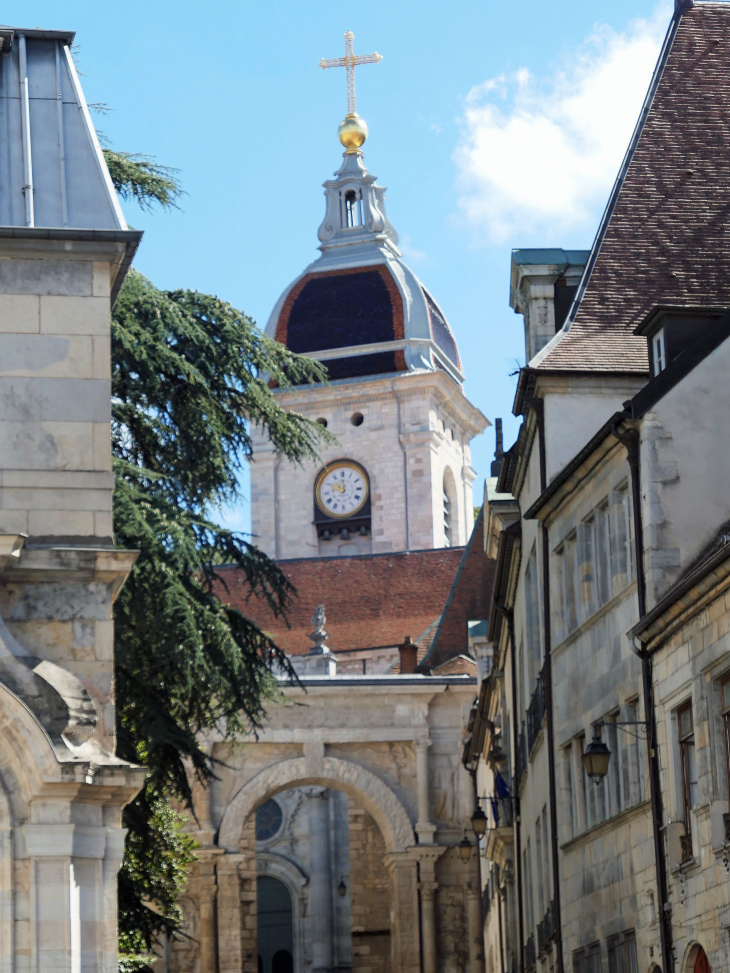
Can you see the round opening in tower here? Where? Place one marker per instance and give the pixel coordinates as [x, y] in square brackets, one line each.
[357, 419]
[322, 422]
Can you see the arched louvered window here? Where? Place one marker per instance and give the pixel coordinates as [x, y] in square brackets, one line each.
[451, 530]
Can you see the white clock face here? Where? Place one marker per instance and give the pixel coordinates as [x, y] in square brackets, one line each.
[342, 490]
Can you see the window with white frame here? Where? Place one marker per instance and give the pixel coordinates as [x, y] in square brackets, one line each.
[604, 589]
[688, 762]
[568, 578]
[570, 788]
[545, 855]
[539, 840]
[596, 561]
[532, 606]
[622, 549]
[659, 352]
[635, 754]
[527, 879]
[586, 564]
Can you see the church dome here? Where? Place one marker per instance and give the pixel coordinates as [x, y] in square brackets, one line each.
[359, 308]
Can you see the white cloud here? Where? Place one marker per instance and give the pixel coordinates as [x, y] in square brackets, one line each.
[538, 156]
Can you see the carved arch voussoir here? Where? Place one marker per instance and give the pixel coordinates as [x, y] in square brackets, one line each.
[367, 789]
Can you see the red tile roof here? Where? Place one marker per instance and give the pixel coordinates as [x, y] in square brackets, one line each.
[370, 601]
[664, 238]
[469, 600]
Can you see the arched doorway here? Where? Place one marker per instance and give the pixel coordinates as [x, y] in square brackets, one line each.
[275, 926]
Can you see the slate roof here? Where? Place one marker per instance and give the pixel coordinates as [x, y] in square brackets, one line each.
[371, 601]
[664, 237]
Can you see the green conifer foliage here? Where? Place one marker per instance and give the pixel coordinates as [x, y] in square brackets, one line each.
[191, 374]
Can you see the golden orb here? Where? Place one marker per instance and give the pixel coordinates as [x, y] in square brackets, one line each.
[352, 132]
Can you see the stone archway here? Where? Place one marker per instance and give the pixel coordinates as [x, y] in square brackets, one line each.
[695, 960]
[374, 795]
[371, 793]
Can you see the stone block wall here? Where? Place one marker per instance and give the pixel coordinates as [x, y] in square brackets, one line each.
[409, 435]
[247, 886]
[55, 380]
[369, 895]
[690, 667]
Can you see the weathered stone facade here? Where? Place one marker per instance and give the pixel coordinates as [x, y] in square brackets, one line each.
[390, 744]
[62, 789]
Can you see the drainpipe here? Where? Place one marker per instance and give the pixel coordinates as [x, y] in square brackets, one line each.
[629, 439]
[25, 133]
[479, 866]
[509, 615]
[538, 406]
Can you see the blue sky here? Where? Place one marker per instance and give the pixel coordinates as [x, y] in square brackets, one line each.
[493, 125]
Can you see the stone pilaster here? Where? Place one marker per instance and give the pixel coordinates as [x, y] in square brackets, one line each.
[427, 885]
[320, 882]
[425, 829]
[230, 946]
[405, 941]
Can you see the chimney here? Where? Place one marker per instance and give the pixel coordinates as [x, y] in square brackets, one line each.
[408, 653]
[499, 448]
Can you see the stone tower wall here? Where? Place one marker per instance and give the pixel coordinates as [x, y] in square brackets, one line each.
[369, 895]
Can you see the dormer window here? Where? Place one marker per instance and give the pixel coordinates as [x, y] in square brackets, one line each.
[658, 352]
[353, 208]
[671, 329]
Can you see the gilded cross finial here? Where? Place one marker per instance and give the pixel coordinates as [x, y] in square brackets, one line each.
[350, 61]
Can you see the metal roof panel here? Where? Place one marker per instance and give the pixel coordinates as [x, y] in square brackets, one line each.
[53, 174]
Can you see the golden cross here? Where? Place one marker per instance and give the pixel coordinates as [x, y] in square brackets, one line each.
[350, 61]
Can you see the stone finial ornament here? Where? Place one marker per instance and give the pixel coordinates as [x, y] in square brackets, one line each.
[319, 636]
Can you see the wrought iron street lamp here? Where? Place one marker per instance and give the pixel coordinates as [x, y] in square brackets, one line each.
[596, 757]
[465, 849]
[479, 823]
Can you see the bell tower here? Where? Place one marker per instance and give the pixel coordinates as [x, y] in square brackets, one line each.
[399, 477]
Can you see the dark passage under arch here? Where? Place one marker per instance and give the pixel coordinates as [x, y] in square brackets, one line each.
[275, 926]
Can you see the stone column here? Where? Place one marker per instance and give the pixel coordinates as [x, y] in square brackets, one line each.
[424, 828]
[207, 894]
[474, 927]
[230, 952]
[405, 947]
[427, 885]
[320, 882]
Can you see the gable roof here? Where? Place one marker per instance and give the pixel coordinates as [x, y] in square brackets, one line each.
[663, 236]
[371, 601]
